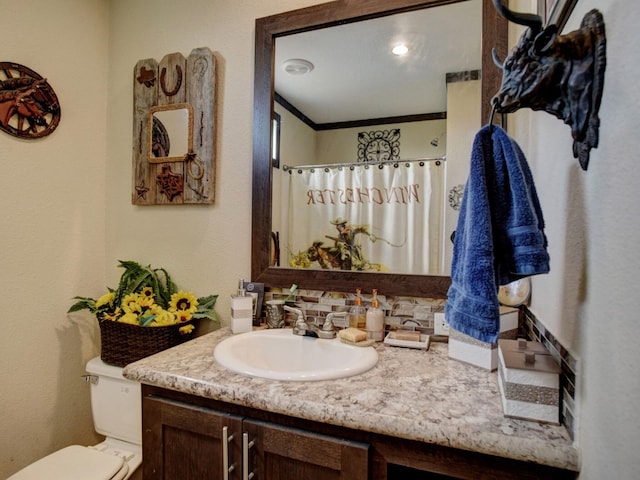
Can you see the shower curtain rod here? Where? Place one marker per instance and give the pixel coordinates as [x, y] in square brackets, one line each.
[285, 168]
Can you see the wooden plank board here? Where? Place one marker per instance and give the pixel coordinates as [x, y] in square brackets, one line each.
[172, 89]
[145, 93]
[201, 94]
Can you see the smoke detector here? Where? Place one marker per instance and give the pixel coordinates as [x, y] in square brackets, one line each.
[297, 66]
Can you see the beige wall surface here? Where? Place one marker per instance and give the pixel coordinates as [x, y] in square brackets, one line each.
[67, 216]
[52, 232]
[589, 301]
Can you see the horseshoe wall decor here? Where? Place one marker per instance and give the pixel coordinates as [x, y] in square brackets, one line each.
[163, 85]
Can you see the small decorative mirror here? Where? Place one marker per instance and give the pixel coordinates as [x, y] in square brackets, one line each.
[171, 130]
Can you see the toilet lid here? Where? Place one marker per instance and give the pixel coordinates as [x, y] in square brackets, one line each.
[73, 463]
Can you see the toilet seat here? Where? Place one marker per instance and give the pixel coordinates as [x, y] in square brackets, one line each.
[75, 463]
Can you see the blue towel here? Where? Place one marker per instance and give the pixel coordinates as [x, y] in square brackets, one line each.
[500, 235]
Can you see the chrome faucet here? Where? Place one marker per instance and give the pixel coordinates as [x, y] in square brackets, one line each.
[306, 329]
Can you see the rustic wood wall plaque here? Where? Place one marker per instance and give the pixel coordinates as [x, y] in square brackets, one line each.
[174, 129]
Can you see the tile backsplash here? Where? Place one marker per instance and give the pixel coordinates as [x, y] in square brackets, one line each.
[397, 310]
[420, 312]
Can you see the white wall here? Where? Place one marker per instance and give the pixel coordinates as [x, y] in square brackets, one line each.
[341, 145]
[67, 216]
[590, 299]
[52, 247]
[463, 121]
[68, 219]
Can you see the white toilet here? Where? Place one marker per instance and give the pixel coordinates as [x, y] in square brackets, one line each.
[115, 402]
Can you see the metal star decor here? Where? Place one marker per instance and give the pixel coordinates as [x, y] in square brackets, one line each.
[171, 184]
[141, 190]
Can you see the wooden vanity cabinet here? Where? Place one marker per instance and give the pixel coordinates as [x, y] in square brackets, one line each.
[183, 438]
[284, 453]
[184, 441]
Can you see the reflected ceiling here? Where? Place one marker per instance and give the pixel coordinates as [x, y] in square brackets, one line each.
[344, 55]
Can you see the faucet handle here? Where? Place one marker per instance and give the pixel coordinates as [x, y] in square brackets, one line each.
[298, 312]
[328, 321]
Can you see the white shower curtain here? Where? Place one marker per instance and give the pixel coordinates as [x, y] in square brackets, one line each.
[365, 216]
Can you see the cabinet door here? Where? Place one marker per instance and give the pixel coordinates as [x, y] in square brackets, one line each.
[282, 453]
[186, 442]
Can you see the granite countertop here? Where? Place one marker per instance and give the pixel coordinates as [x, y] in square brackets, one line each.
[411, 394]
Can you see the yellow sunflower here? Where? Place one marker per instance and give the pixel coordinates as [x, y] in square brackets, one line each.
[147, 292]
[129, 317]
[183, 315]
[186, 329]
[131, 304]
[300, 261]
[112, 315]
[163, 317]
[106, 299]
[146, 297]
[183, 302]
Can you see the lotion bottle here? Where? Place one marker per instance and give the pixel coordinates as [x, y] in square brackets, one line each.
[357, 313]
[241, 311]
[375, 320]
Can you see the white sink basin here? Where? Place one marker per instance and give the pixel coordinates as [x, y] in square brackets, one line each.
[278, 354]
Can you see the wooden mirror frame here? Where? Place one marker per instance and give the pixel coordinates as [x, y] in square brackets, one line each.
[494, 35]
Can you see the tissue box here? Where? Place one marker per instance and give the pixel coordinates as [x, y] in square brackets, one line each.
[529, 381]
[481, 354]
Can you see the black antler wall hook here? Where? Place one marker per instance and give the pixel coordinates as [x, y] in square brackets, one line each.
[560, 74]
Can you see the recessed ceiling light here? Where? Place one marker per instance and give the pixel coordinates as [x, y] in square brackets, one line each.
[297, 66]
[400, 49]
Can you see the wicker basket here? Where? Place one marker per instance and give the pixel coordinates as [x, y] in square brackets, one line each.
[123, 343]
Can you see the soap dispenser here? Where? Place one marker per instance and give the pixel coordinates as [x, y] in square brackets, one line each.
[375, 319]
[241, 311]
[357, 313]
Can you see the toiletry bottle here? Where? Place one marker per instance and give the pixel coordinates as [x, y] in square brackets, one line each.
[375, 320]
[241, 311]
[357, 313]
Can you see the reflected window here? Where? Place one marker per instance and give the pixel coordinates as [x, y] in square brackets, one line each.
[275, 140]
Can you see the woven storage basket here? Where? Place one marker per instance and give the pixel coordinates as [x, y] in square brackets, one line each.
[123, 343]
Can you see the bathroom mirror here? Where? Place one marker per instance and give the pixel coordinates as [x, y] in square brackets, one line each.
[319, 17]
[171, 128]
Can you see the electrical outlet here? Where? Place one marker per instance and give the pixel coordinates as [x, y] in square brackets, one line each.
[440, 325]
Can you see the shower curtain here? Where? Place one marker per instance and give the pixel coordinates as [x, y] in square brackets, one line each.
[381, 217]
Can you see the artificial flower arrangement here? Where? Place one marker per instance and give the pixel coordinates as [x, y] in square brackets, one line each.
[149, 298]
[145, 298]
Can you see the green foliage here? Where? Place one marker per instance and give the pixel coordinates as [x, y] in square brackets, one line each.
[134, 279]
[83, 303]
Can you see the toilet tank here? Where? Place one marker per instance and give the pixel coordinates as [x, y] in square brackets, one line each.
[115, 402]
